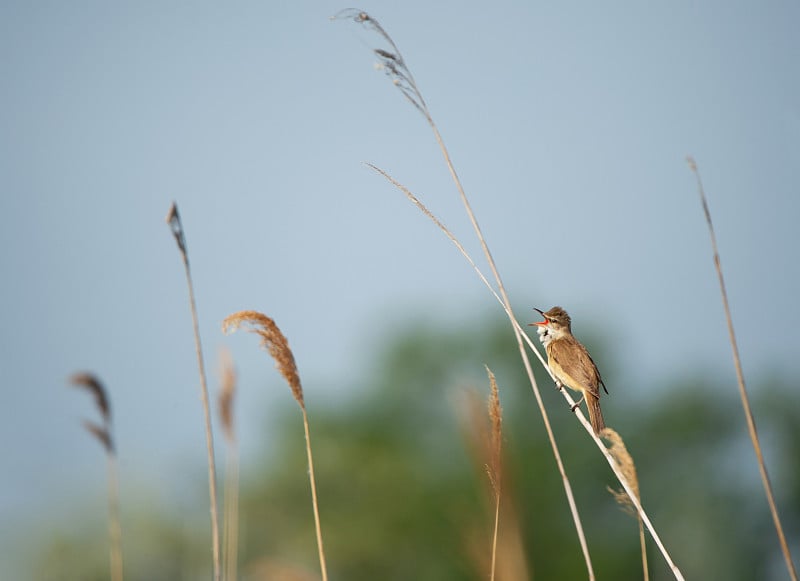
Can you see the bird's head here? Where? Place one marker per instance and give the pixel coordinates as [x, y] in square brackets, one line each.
[556, 323]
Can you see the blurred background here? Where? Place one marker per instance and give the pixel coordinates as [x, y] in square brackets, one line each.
[568, 125]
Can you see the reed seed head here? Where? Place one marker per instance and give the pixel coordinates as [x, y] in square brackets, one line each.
[390, 61]
[625, 461]
[496, 438]
[174, 222]
[92, 385]
[101, 433]
[227, 393]
[273, 341]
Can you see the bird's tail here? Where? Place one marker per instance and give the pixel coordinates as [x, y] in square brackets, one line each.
[595, 413]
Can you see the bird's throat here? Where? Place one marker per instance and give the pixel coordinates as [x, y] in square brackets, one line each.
[545, 334]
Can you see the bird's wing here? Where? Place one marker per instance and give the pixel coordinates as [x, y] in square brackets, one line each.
[576, 364]
[597, 371]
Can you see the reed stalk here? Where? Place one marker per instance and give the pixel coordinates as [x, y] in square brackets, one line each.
[104, 434]
[737, 363]
[230, 495]
[174, 222]
[275, 342]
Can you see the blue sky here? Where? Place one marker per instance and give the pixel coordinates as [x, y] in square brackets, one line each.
[568, 123]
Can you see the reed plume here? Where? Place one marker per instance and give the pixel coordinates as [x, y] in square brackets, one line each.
[275, 342]
[482, 423]
[103, 433]
[625, 462]
[493, 466]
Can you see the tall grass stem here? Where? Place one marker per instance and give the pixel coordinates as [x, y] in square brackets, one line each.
[174, 221]
[114, 520]
[275, 342]
[737, 363]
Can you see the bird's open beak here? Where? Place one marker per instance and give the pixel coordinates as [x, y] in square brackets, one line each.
[540, 323]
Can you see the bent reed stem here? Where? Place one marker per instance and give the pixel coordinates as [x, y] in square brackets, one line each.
[578, 412]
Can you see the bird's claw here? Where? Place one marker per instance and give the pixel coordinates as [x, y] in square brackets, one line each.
[572, 408]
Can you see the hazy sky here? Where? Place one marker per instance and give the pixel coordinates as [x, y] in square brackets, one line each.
[568, 123]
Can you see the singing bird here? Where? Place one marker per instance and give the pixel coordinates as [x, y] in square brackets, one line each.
[571, 363]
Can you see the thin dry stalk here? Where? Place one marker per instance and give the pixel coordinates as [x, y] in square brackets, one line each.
[230, 526]
[230, 509]
[493, 467]
[751, 423]
[276, 343]
[174, 222]
[103, 433]
[114, 520]
[625, 462]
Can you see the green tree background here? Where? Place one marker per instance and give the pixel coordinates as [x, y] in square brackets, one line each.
[402, 497]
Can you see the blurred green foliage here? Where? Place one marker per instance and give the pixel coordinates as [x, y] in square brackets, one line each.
[402, 497]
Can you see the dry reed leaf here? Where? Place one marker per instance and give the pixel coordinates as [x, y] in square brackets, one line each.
[174, 221]
[101, 433]
[93, 385]
[626, 464]
[227, 393]
[274, 341]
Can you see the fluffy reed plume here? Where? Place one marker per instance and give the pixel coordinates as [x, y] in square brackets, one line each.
[628, 468]
[103, 432]
[174, 222]
[493, 468]
[227, 393]
[274, 341]
[496, 442]
[484, 432]
[751, 423]
[230, 511]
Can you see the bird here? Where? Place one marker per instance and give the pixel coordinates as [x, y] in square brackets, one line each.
[571, 363]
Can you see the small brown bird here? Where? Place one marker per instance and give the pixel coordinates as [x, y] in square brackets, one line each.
[571, 363]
